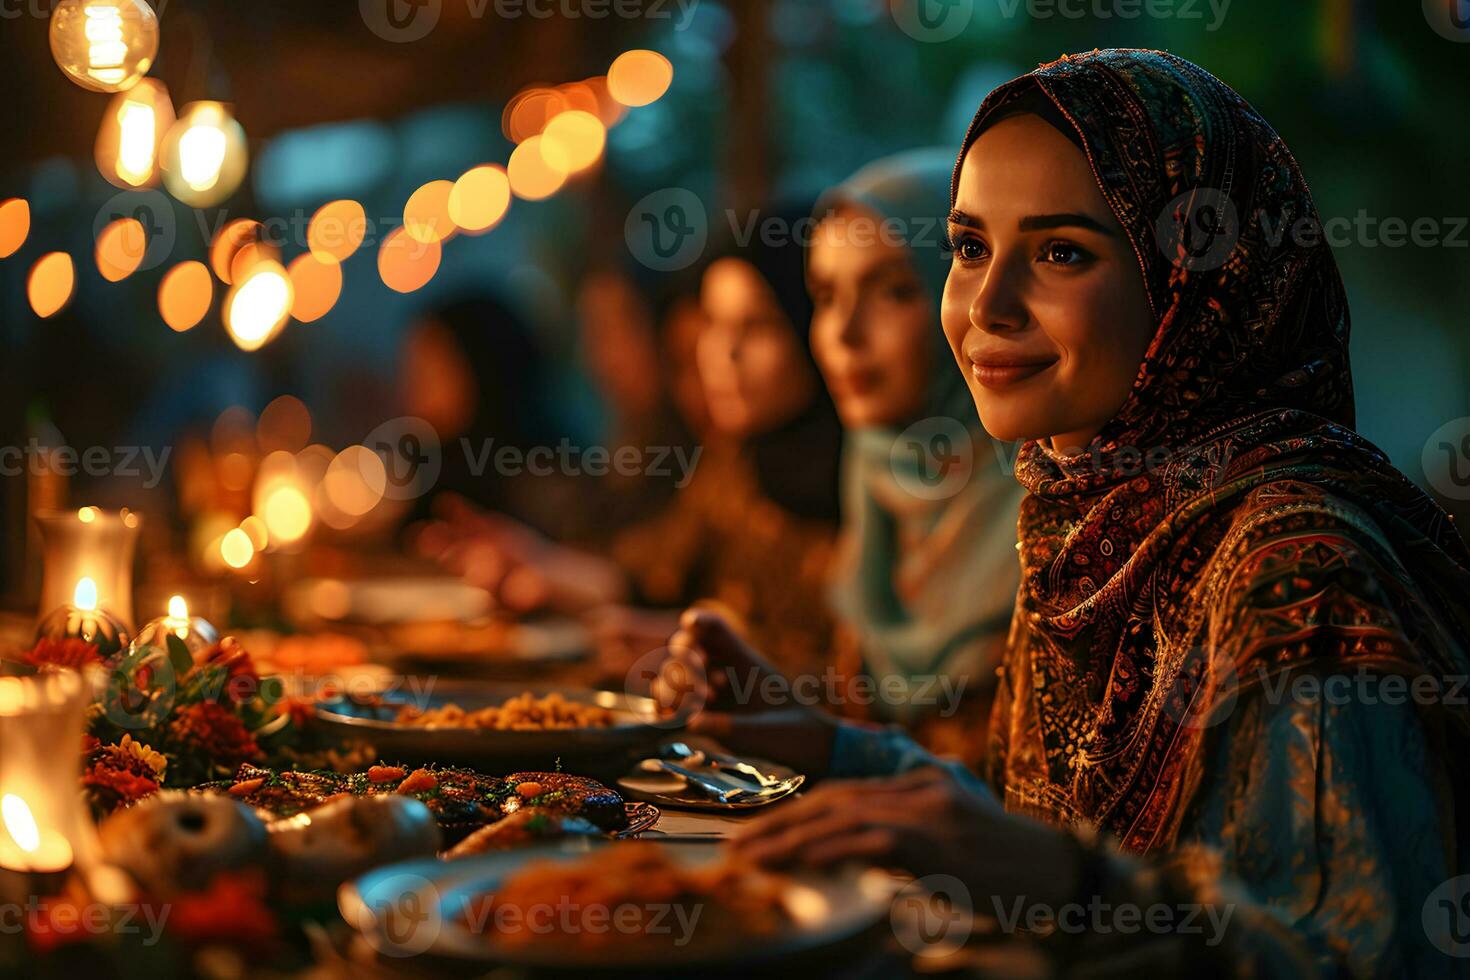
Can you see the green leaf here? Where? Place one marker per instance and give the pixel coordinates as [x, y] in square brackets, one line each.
[179, 656]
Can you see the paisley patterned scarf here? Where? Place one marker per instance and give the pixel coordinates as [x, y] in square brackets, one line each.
[1228, 525]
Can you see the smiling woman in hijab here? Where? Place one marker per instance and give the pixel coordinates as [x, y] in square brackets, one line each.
[1227, 593]
[929, 504]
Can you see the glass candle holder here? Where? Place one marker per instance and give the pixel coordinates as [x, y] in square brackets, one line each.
[80, 619]
[88, 544]
[45, 831]
[195, 632]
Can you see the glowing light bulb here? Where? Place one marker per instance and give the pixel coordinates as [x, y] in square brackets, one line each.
[257, 308]
[204, 155]
[130, 139]
[85, 595]
[104, 45]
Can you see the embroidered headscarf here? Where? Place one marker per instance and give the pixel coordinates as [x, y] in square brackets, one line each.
[1227, 524]
[913, 538]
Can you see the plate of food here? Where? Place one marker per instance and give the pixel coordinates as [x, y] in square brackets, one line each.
[483, 722]
[638, 907]
[474, 812]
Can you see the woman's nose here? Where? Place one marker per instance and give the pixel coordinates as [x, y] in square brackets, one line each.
[999, 306]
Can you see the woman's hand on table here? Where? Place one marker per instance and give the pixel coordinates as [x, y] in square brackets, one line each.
[711, 673]
[923, 822]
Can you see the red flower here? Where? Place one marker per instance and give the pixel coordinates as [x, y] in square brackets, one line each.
[71, 651]
[215, 732]
[231, 910]
[114, 787]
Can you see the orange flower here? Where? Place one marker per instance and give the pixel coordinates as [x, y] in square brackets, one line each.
[231, 910]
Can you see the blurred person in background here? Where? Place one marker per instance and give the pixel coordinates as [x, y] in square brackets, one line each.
[753, 529]
[926, 581]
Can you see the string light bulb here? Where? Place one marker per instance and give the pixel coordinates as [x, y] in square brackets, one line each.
[130, 139]
[205, 155]
[104, 45]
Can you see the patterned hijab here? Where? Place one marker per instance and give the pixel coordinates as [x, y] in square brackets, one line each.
[912, 541]
[1228, 524]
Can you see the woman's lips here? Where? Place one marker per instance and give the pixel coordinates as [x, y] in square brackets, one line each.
[1005, 373]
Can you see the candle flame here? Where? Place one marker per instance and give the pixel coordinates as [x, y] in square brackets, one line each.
[178, 608]
[85, 596]
[87, 515]
[20, 823]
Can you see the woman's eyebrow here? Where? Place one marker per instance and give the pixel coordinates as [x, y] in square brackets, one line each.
[1038, 222]
[1041, 222]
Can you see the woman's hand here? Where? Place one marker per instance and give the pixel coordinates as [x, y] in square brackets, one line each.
[725, 686]
[924, 822]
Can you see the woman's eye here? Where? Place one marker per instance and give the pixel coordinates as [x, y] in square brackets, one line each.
[968, 249]
[1064, 253]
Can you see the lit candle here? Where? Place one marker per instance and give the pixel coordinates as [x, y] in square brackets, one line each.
[81, 619]
[196, 633]
[92, 544]
[44, 828]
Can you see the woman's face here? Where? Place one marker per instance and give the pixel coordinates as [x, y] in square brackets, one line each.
[1045, 308]
[435, 383]
[871, 322]
[755, 375]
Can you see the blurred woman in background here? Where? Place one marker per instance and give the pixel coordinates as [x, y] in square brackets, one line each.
[753, 529]
[926, 581]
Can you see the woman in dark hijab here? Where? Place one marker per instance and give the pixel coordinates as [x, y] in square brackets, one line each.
[1227, 593]
[473, 371]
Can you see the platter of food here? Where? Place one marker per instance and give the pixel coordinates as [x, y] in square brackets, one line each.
[483, 722]
[636, 907]
[473, 811]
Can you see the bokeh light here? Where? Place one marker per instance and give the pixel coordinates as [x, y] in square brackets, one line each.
[228, 241]
[287, 513]
[639, 77]
[120, 249]
[426, 216]
[284, 425]
[406, 264]
[256, 309]
[318, 286]
[480, 199]
[50, 284]
[15, 225]
[185, 295]
[236, 548]
[532, 175]
[355, 481]
[574, 139]
[104, 45]
[337, 230]
[528, 112]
